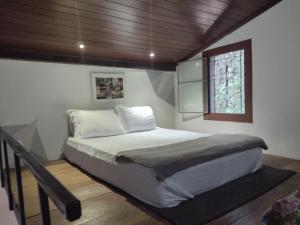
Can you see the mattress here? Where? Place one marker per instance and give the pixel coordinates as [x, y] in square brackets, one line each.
[96, 156]
[106, 148]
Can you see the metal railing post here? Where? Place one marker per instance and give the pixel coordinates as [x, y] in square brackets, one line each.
[44, 205]
[9, 193]
[48, 186]
[20, 190]
[1, 165]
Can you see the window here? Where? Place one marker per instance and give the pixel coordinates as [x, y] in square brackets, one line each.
[228, 90]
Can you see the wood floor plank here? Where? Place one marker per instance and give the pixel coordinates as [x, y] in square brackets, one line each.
[109, 208]
[103, 206]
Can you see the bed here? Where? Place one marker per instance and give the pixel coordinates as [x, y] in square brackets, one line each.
[97, 156]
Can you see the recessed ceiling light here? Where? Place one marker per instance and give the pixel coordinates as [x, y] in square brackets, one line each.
[152, 54]
[80, 45]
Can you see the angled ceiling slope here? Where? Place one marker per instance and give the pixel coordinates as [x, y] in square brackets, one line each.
[119, 32]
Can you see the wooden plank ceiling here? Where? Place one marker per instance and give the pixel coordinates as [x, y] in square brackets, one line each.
[119, 32]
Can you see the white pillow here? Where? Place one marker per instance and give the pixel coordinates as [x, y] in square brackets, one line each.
[139, 118]
[95, 123]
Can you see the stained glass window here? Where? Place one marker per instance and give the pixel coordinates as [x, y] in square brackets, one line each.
[227, 94]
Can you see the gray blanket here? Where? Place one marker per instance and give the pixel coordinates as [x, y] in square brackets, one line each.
[169, 159]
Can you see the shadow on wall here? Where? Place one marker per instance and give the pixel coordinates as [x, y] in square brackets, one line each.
[29, 137]
[163, 85]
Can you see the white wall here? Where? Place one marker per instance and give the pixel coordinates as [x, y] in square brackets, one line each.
[276, 81]
[39, 91]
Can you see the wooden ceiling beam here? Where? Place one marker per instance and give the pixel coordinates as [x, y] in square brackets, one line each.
[30, 55]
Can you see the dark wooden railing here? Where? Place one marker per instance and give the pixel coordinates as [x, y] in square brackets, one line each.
[48, 185]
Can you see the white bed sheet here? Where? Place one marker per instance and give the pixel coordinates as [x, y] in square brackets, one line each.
[106, 148]
[141, 182]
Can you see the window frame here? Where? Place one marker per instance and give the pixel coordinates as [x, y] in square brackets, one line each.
[245, 45]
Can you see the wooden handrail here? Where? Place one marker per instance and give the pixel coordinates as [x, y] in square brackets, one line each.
[65, 201]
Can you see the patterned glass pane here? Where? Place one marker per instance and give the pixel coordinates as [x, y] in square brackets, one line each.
[227, 91]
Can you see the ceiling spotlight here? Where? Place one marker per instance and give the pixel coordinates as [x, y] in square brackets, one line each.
[80, 45]
[151, 54]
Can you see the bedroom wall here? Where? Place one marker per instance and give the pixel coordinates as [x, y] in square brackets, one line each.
[276, 81]
[34, 97]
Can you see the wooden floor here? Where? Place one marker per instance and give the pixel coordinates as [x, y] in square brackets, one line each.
[102, 206]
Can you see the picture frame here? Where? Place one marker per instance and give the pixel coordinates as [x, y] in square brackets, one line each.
[108, 87]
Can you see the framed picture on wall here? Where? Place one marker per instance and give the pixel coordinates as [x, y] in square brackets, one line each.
[108, 87]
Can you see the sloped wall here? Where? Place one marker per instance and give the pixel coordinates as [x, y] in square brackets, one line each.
[276, 81]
